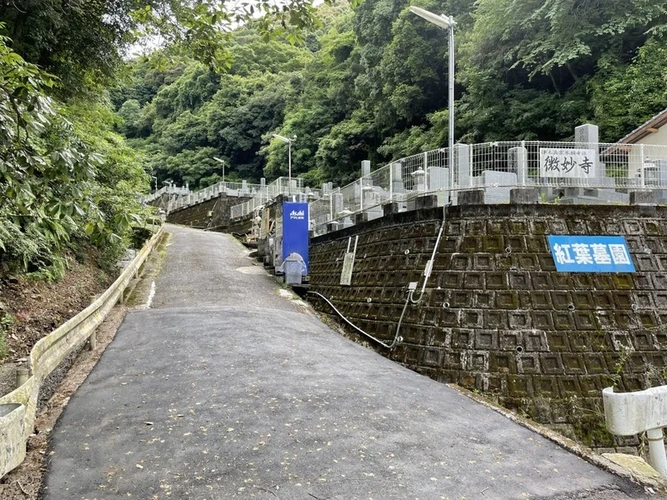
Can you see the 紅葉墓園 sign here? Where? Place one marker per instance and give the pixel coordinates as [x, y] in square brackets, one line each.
[591, 254]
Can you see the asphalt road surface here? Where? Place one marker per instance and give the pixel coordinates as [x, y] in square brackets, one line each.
[227, 388]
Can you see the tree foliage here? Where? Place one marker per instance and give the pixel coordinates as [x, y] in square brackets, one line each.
[67, 177]
[55, 182]
[371, 83]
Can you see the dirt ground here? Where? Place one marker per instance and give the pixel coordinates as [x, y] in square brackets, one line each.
[31, 309]
[25, 481]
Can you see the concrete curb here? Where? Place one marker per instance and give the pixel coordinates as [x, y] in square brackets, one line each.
[652, 483]
[17, 421]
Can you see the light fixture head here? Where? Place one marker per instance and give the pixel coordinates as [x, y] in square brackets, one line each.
[284, 139]
[218, 159]
[439, 20]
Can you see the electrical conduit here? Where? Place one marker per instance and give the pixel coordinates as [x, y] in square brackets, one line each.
[428, 269]
[411, 290]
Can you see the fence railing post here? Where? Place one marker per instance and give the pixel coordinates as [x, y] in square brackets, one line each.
[642, 166]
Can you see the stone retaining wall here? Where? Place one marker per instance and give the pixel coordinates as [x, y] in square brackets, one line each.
[210, 214]
[497, 317]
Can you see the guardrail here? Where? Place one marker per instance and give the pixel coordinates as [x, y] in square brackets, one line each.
[629, 413]
[18, 408]
[229, 188]
[176, 190]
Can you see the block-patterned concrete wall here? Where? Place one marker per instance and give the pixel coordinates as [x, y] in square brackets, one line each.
[212, 214]
[497, 317]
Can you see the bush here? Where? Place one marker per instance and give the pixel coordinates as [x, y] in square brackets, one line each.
[64, 175]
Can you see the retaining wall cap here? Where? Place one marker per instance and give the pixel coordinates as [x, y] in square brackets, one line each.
[638, 469]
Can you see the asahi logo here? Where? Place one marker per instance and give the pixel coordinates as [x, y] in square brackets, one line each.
[297, 215]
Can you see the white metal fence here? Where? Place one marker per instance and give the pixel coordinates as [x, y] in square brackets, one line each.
[564, 172]
[170, 190]
[188, 199]
[267, 193]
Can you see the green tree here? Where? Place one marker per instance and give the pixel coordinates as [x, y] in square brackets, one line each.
[55, 179]
[624, 96]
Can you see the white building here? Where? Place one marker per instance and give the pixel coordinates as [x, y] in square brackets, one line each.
[647, 150]
[653, 132]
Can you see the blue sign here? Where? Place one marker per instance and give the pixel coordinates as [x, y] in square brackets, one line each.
[591, 254]
[295, 230]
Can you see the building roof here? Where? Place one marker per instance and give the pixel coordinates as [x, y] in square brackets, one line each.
[650, 127]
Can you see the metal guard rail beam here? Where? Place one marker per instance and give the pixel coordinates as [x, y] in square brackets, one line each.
[18, 409]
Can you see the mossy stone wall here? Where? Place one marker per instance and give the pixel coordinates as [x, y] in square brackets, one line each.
[498, 318]
[212, 214]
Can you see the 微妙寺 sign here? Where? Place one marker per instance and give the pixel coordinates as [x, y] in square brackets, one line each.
[559, 162]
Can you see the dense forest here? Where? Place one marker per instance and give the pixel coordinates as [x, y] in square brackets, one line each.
[84, 125]
[371, 83]
[70, 183]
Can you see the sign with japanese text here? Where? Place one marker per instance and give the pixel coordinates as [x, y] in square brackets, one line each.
[591, 254]
[295, 230]
[557, 162]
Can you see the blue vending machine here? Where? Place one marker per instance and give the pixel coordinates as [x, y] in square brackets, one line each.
[295, 241]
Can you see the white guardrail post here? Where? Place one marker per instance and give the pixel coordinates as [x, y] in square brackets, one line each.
[629, 413]
[18, 409]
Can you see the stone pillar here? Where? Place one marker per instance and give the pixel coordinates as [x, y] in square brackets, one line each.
[518, 164]
[463, 176]
[364, 184]
[397, 186]
[463, 167]
[365, 168]
[587, 136]
[337, 203]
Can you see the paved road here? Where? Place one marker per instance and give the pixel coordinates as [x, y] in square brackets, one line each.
[225, 388]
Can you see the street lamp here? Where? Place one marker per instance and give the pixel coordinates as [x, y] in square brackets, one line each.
[289, 141]
[223, 166]
[448, 23]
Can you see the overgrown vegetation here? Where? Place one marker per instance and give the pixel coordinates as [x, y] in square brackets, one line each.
[65, 183]
[67, 177]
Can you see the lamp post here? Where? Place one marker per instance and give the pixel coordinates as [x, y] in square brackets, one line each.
[288, 140]
[223, 166]
[448, 23]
